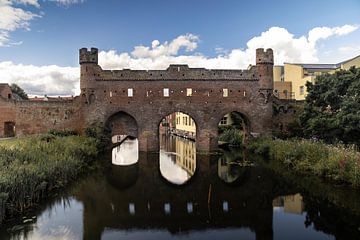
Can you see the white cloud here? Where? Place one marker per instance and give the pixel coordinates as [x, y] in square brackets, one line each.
[67, 2]
[287, 48]
[318, 33]
[29, 2]
[41, 80]
[55, 80]
[349, 49]
[13, 18]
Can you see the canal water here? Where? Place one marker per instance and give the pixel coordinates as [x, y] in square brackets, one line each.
[178, 194]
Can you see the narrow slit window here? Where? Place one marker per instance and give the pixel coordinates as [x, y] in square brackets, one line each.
[166, 92]
[189, 92]
[244, 93]
[130, 92]
[225, 92]
[110, 94]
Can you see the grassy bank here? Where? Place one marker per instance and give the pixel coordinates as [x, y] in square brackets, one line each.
[34, 166]
[338, 163]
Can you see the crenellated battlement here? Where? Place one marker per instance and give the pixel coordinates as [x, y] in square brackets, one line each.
[86, 56]
[264, 56]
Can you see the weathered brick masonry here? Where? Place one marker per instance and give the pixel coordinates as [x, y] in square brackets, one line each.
[105, 100]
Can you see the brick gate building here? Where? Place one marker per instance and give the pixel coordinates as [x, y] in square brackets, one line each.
[133, 102]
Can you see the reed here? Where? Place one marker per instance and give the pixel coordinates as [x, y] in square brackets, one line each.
[335, 162]
[34, 166]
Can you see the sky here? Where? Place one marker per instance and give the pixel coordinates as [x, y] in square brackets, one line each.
[40, 39]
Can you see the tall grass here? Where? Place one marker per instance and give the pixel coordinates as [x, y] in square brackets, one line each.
[336, 162]
[34, 166]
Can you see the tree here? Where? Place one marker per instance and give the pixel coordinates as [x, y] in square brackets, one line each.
[19, 91]
[332, 107]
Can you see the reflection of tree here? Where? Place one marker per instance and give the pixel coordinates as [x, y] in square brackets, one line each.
[232, 165]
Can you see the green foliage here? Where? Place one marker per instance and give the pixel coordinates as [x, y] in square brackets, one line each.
[332, 108]
[313, 157]
[62, 133]
[19, 91]
[102, 136]
[232, 136]
[32, 167]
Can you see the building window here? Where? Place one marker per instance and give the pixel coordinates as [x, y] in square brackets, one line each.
[223, 121]
[110, 94]
[225, 92]
[130, 92]
[189, 92]
[166, 92]
[302, 90]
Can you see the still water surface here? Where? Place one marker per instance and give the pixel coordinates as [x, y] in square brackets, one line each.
[177, 194]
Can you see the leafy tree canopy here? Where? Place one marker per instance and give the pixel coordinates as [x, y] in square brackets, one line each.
[332, 107]
[19, 91]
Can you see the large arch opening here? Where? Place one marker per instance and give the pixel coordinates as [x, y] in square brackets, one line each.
[233, 130]
[177, 135]
[124, 137]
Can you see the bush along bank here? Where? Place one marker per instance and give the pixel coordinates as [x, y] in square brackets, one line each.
[32, 167]
[231, 136]
[334, 162]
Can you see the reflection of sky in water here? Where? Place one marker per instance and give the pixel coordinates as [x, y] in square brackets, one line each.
[170, 170]
[289, 211]
[177, 158]
[57, 222]
[127, 153]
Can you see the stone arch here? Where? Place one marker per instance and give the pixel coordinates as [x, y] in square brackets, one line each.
[122, 123]
[246, 122]
[193, 116]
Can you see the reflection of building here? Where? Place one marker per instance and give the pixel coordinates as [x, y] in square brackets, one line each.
[290, 79]
[185, 155]
[291, 203]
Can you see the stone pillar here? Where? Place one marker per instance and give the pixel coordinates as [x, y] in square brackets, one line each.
[206, 140]
[148, 140]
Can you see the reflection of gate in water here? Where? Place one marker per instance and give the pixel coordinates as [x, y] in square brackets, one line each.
[9, 129]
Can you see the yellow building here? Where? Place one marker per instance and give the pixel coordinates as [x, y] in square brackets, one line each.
[185, 123]
[290, 79]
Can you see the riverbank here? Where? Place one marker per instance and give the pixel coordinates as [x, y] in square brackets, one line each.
[334, 162]
[35, 166]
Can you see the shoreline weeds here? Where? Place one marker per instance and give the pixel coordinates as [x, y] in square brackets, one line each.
[336, 163]
[35, 166]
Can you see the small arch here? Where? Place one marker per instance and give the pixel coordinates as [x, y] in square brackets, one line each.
[123, 129]
[233, 129]
[122, 123]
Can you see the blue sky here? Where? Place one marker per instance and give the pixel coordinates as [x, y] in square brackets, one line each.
[222, 33]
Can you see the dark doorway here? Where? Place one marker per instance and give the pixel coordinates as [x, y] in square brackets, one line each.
[9, 129]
